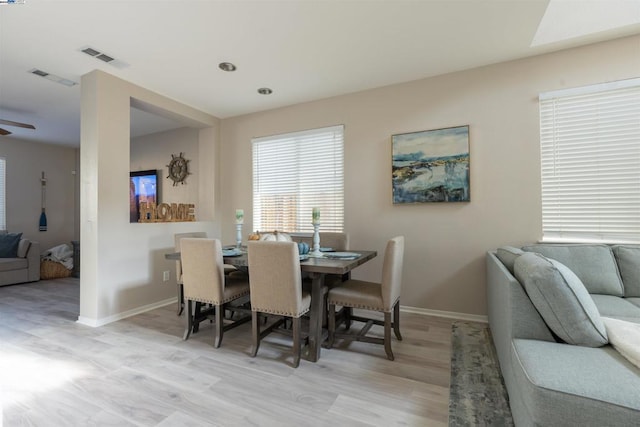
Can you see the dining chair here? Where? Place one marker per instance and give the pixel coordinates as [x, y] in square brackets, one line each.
[381, 297]
[333, 240]
[204, 281]
[195, 234]
[276, 289]
[338, 242]
[177, 237]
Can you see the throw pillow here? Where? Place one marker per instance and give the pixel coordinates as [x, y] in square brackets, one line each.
[508, 255]
[23, 247]
[595, 265]
[628, 258]
[561, 299]
[9, 245]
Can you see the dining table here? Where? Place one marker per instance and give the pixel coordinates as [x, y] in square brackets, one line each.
[316, 268]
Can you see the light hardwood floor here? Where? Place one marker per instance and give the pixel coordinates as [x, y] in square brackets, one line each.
[139, 372]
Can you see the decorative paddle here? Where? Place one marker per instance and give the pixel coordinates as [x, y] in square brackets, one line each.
[43, 215]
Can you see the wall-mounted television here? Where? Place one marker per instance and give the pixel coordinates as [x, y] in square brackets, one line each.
[143, 187]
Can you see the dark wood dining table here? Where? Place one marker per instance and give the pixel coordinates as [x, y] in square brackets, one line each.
[316, 269]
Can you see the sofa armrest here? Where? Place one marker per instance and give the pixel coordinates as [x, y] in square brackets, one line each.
[511, 312]
[33, 260]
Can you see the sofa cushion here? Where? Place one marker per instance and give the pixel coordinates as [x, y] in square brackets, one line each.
[23, 248]
[562, 385]
[9, 245]
[634, 301]
[594, 265]
[508, 255]
[616, 307]
[628, 258]
[561, 299]
[9, 264]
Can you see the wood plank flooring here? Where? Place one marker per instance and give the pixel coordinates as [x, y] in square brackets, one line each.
[139, 372]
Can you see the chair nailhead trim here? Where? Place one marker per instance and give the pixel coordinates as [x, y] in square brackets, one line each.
[224, 301]
[278, 313]
[365, 307]
[362, 306]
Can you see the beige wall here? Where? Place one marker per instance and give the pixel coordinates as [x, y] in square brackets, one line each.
[25, 163]
[122, 262]
[445, 243]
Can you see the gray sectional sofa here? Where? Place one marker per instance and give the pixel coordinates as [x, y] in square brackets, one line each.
[23, 266]
[551, 382]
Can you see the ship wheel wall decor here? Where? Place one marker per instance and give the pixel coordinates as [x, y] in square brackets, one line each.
[178, 169]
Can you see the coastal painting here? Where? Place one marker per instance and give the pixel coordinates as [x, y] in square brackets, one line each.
[431, 166]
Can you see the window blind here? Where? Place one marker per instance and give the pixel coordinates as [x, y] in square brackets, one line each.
[3, 216]
[590, 163]
[295, 172]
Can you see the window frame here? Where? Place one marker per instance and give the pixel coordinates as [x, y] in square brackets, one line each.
[314, 178]
[587, 136]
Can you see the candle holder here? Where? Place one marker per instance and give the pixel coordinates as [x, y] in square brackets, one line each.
[316, 241]
[239, 236]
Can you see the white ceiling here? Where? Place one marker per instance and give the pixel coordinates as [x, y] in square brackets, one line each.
[304, 50]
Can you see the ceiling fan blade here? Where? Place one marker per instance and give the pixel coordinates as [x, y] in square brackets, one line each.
[17, 124]
[4, 132]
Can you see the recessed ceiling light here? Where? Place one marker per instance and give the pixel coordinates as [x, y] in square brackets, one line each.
[226, 66]
[265, 91]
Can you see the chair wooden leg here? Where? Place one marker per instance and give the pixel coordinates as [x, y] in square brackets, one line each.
[387, 335]
[219, 325]
[255, 328]
[188, 320]
[180, 299]
[331, 325]
[396, 320]
[196, 318]
[296, 341]
[325, 311]
[348, 312]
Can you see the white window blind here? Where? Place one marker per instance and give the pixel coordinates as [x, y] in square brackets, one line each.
[295, 172]
[3, 216]
[590, 159]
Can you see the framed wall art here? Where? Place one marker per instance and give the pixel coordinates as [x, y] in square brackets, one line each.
[431, 166]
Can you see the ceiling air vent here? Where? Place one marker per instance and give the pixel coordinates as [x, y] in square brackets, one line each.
[39, 72]
[53, 77]
[103, 57]
[90, 51]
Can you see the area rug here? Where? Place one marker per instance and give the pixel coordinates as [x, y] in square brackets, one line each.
[477, 395]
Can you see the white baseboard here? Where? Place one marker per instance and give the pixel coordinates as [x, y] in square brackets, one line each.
[403, 308]
[446, 314]
[119, 316]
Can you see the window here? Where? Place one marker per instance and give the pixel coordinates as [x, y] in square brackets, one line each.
[295, 172]
[590, 159]
[3, 216]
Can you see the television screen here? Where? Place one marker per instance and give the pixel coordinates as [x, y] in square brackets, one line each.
[143, 187]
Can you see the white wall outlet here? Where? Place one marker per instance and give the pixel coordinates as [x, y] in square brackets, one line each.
[165, 276]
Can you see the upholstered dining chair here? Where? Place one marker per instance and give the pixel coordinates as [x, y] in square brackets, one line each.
[381, 297]
[177, 237]
[276, 289]
[195, 234]
[333, 240]
[204, 281]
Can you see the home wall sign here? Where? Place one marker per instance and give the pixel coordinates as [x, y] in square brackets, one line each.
[178, 169]
[165, 212]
